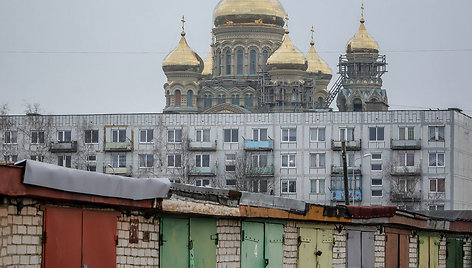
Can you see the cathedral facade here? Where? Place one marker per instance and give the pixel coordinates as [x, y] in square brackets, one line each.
[253, 66]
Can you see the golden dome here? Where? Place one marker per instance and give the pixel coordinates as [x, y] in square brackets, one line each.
[249, 11]
[208, 64]
[316, 64]
[182, 58]
[287, 56]
[362, 42]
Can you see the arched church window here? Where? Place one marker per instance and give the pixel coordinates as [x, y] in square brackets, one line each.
[319, 103]
[235, 99]
[178, 97]
[207, 100]
[221, 98]
[189, 98]
[357, 105]
[252, 61]
[265, 57]
[228, 62]
[249, 101]
[168, 98]
[373, 100]
[220, 63]
[239, 61]
[294, 95]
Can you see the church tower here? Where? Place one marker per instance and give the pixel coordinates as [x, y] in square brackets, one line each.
[362, 68]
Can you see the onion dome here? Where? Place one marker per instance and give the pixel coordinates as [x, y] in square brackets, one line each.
[208, 62]
[316, 65]
[362, 41]
[287, 56]
[182, 58]
[249, 11]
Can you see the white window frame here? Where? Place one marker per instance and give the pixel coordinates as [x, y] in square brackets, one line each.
[258, 159]
[346, 133]
[257, 134]
[315, 134]
[37, 157]
[233, 135]
[202, 182]
[403, 159]
[145, 158]
[174, 158]
[319, 185]
[437, 131]
[376, 185]
[118, 135]
[11, 137]
[200, 160]
[64, 161]
[118, 160]
[202, 135]
[146, 136]
[291, 160]
[436, 185]
[174, 135]
[376, 190]
[38, 133]
[62, 135]
[91, 133]
[436, 162]
[289, 134]
[230, 161]
[319, 161]
[290, 188]
[377, 138]
[406, 133]
[91, 160]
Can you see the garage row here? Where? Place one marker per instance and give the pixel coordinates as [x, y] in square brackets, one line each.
[43, 225]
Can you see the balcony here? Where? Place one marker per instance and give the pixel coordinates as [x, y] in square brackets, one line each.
[405, 170]
[405, 144]
[336, 170]
[202, 146]
[354, 195]
[118, 146]
[202, 171]
[350, 145]
[64, 147]
[405, 197]
[123, 171]
[251, 145]
[267, 171]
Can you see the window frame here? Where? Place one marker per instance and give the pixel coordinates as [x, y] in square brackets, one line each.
[89, 134]
[64, 161]
[174, 158]
[290, 136]
[38, 137]
[257, 134]
[66, 136]
[173, 136]
[319, 161]
[375, 136]
[291, 158]
[290, 184]
[230, 161]
[436, 159]
[148, 136]
[437, 133]
[202, 160]
[118, 160]
[315, 134]
[117, 135]
[437, 185]
[318, 189]
[233, 136]
[146, 158]
[203, 133]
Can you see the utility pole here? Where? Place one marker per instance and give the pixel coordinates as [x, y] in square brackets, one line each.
[346, 179]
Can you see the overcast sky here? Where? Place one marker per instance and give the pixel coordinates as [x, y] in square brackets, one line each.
[104, 56]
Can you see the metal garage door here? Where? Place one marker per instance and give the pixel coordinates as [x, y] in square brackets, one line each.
[315, 247]
[360, 249]
[428, 250]
[455, 252]
[397, 248]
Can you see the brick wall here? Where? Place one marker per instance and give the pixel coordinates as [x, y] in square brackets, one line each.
[140, 254]
[339, 249]
[379, 244]
[290, 245]
[229, 243]
[413, 251]
[20, 235]
[442, 253]
[467, 253]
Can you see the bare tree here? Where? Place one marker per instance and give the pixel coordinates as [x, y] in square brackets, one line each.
[404, 186]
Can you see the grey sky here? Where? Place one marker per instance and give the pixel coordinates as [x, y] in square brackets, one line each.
[104, 56]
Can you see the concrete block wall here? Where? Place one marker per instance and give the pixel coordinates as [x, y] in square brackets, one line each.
[442, 253]
[379, 244]
[143, 253]
[290, 245]
[229, 243]
[20, 235]
[413, 251]
[339, 249]
[467, 253]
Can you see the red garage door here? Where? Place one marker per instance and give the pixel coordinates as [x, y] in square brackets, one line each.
[75, 237]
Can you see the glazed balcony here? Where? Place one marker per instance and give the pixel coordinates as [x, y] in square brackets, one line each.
[118, 146]
[405, 197]
[64, 147]
[336, 170]
[267, 171]
[202, 171]
[123, 171]
[405, 144]
[405, 170]
[354, 145]
[202, 146]
[251, 145]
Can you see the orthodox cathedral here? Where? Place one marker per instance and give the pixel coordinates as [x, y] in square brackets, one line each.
[253, 66]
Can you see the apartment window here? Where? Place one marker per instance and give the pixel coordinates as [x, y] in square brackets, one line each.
[317, 186]
[174, 161]
[146, 136]
[376, 156]
[259, 160]
[259, 134]
[376, 133]
[317, 160]
[350, 157]
[118, 135]
[376, 182]
[11, 158]
[231, 182]
[376, 166]
[146, 160]
[119, 160]
[436, 159]
[377, 193]
[202, 135]
[64, 160]
[38, 157]
[230, 162]
[37, 137]
[436, 207]
[436, 133]
[91, 162]
[11, 137]
[288, 186]
[289, 134]
[288, 160]
[231, 135]
[91, 136]
[403, 185]
[346, 134]
[202, 160]
[174, 135]
[64, 136]
[407, 159]
[437, 185]
[317, 134]
[202, 182]
[406, 133]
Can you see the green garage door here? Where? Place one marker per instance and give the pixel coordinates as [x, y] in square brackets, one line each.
[455, 252]
[262, 245]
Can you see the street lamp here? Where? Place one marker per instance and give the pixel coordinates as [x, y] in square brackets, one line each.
[354, 177]
[110, 166]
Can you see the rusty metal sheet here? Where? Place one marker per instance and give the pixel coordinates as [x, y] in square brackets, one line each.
[181, 206]
[133, 231]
